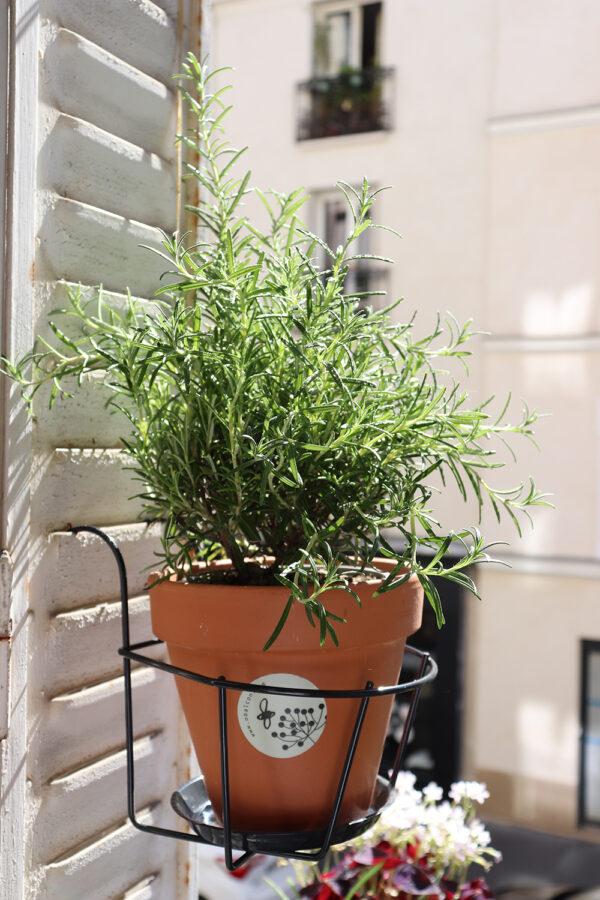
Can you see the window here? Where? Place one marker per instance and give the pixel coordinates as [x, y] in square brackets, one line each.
[346, 36]
[337, 226]
[331, 219]
[589, 780]
[349, 92]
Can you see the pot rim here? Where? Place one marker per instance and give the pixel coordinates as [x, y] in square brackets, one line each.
[160, 576]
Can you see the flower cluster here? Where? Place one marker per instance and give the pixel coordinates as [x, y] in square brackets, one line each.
[446, 833]
[422, 846]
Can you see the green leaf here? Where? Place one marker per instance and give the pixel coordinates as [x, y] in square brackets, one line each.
[282, 620]
[432, 594]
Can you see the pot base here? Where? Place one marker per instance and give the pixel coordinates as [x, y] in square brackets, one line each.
[192, 803]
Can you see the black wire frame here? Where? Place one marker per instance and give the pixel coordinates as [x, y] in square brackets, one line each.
[427, 671]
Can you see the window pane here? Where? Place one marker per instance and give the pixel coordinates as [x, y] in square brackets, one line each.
[371, 18]
[590, 749]
[591, 757]
[338, 41]
[593, 676]
[593, 721]
[336, 223]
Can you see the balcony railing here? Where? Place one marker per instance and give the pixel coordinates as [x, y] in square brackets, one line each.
[354, 102]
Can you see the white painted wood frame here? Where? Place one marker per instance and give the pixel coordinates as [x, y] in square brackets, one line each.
[90, 173]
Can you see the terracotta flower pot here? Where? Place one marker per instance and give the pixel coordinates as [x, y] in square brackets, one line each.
[285, 754]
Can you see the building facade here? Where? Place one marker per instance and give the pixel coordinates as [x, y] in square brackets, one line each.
[484, 118]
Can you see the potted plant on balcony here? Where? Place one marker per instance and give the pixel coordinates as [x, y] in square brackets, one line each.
[278, 431]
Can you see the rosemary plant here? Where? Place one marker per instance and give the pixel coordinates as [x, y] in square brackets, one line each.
[274, 419]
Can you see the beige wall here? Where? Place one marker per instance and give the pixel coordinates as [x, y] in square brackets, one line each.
[493, 160]
[546, 56]
[542, 307]
[521, 733]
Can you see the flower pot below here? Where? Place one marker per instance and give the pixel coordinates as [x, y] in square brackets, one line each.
[285, 754]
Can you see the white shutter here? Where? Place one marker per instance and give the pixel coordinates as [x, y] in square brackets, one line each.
[106, 177]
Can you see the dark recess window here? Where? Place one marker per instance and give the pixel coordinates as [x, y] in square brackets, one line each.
[434, 748]
[371, 17]
[589, 751]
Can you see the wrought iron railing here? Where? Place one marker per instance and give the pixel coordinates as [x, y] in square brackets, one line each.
[353, 102]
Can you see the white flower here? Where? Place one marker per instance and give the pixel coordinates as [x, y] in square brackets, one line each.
[444, 831]
[405, 811]
[405, 782]
[469, 790]
[432, 792]
[479, 834]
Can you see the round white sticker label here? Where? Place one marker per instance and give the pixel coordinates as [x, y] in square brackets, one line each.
[279, 725]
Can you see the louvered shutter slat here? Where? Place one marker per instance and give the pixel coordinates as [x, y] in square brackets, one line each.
[85, 486]
[91, 165]
[107, 180]
[70, 563]
[90, 244]
[85, 725]
[86, 81]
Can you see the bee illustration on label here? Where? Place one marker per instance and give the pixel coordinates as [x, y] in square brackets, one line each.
[265, 715]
